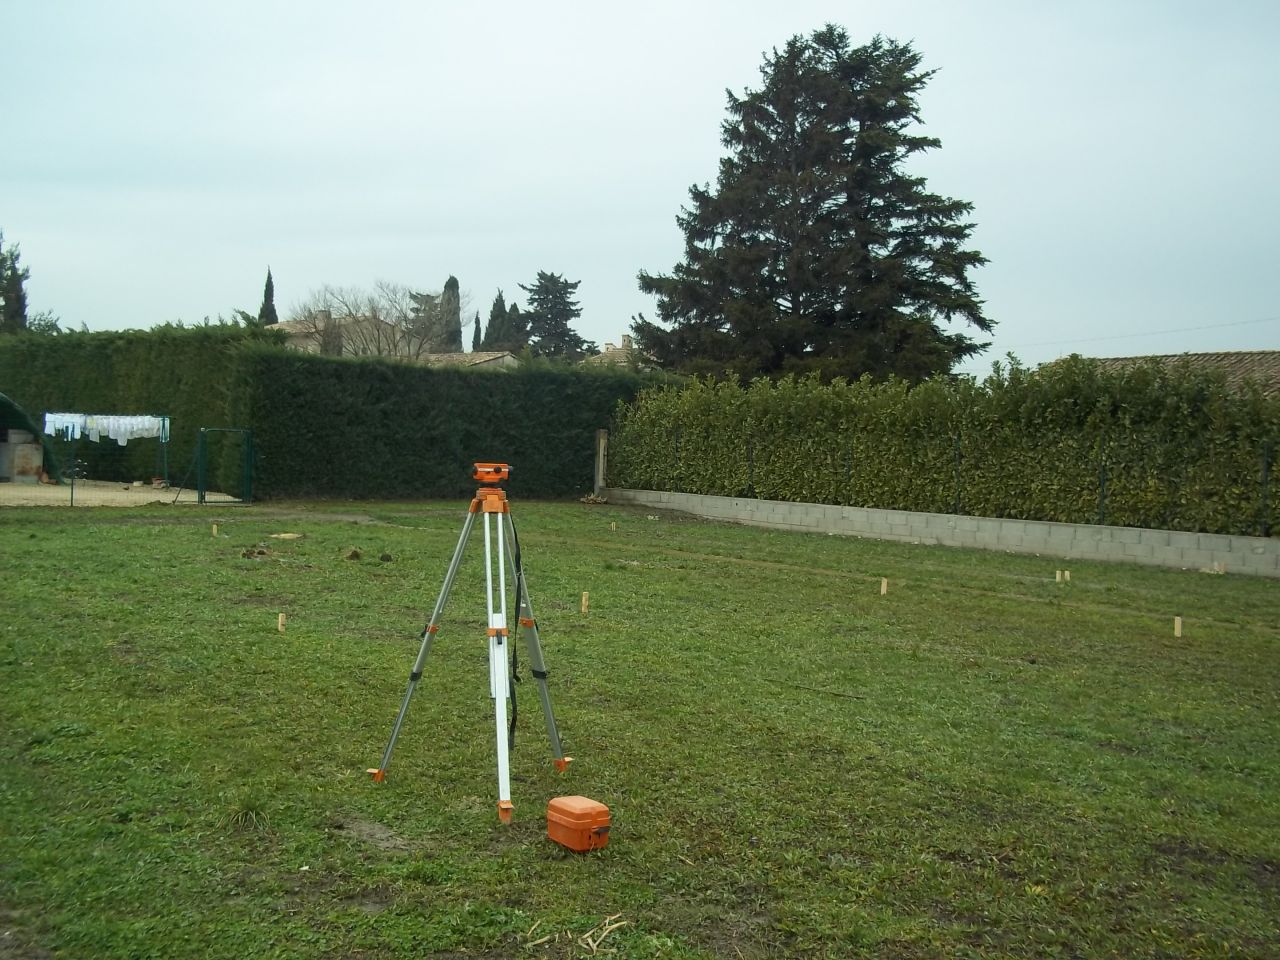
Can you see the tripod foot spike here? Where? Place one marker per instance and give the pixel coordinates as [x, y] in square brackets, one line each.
[562, 763]
[379, 776]
[504, 810]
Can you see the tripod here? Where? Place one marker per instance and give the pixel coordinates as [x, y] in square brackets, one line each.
[491, 501]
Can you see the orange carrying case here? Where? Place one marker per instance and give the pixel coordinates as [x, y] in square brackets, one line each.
[578, 823]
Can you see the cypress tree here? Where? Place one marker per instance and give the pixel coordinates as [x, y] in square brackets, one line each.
[816, 250]
[451, 316]
[517, 330]
[267, 312]
[475, 334]
[495, 331]
[13, 293]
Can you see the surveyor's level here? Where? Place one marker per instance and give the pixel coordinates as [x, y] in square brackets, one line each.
[501, 558]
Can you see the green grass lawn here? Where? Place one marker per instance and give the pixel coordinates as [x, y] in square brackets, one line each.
[982, 763]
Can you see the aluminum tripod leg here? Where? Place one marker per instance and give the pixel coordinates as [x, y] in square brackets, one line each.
[428, 635]
[529, 627]
[498, 658]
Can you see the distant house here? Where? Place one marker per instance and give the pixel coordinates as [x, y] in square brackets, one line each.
[625, 355]
[371, 336]
[486, 360]
[299, 335]
[1260, 366]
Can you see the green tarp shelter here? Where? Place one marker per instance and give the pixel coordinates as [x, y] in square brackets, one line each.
[13, 417]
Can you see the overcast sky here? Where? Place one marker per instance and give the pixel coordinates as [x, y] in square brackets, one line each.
[155, 158]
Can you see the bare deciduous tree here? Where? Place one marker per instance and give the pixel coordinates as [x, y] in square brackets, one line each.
[388, 321]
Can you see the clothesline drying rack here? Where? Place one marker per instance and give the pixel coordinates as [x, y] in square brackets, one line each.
[100, 427]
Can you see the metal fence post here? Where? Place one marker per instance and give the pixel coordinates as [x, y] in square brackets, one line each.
[1102, 482]
[676, 473]
[602, 460]
[202, 464]
[246, 480]
[1264, 522]
[164, 451]
[955, 444]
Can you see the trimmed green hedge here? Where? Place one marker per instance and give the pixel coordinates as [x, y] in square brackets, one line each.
[323, 427]
[376, 428]
[1153, 446]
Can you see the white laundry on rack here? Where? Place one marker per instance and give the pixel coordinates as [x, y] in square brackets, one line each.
[95, 426]
[69, 425]
[124, 429]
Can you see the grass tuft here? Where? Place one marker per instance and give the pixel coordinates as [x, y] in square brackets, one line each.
[247, 811]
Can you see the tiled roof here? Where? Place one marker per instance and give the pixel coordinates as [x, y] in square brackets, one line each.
[626, 355]
[465, 359]
[1260, 366]
[610, 354]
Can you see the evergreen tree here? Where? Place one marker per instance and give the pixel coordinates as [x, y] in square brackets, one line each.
[816, 250]
[451, 315]
[517, 330]
[495, 331]
[13, 293]
[267, 312]
[475, 334]
[551, 311]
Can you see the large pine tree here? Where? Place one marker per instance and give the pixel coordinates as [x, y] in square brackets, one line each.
[551, 311]
[816, 250]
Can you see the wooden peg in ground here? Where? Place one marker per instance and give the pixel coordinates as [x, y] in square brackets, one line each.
[884, 586]
[584, 601]
[280, 623]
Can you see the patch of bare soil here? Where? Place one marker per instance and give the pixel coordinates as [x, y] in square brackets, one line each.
[98, 493]
[16, 940]
[371, 832]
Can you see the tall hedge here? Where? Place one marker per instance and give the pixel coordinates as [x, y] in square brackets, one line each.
[364, 427]
[327, 427]
[1151, 446]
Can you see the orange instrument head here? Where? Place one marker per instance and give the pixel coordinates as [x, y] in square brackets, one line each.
[492, 472]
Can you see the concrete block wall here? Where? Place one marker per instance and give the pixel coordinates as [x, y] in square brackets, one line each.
[1163, 548]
